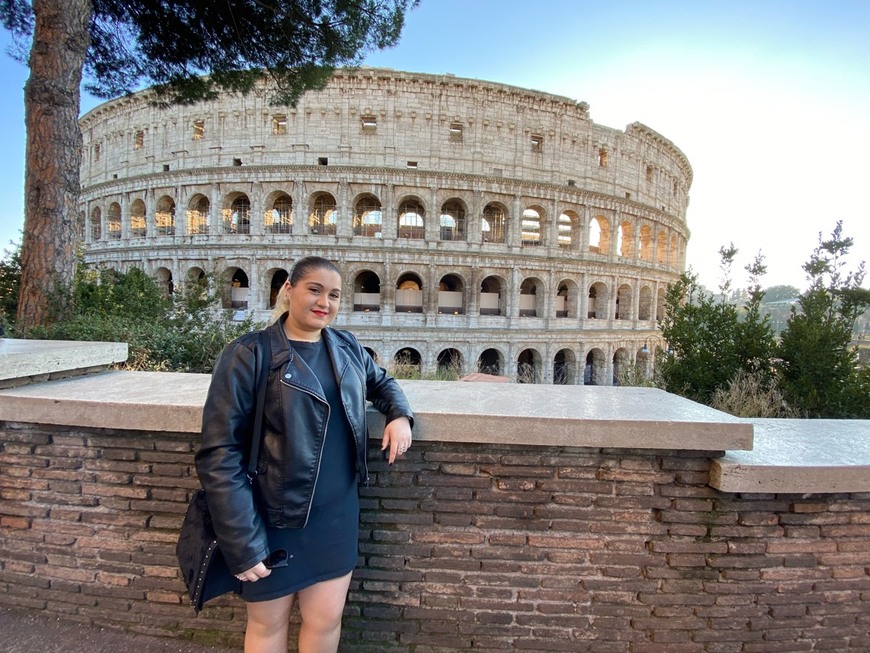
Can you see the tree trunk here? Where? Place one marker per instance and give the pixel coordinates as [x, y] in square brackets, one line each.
[61, 39]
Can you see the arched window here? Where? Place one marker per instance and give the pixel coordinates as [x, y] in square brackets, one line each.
[237, 219]
[625, 244]
[113, 224]
[567, 227]
[198, 215]
[97, 224]
[411, 220]
[165, 216]
[367, 292]
[137, 219]
[368, 218]
[452, 221]
[279, 219]
[491, 297]
[322, 217]
[493, 224]
[451, 298]
[599, 235]
[409, 294]
[531, 227]
[490, 362]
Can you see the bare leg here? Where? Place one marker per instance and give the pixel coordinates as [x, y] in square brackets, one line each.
[321, 607]
[267, 625]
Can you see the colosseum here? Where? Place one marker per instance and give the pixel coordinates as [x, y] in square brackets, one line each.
[478, 226]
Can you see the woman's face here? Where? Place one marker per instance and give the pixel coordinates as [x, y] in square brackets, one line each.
[313, 303]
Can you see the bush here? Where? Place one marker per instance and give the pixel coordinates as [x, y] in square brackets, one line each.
[181, 333]
[752, 394]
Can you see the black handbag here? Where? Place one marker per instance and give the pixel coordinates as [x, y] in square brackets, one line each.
[203, 568]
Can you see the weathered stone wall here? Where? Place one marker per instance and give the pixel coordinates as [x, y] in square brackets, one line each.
[463, 547]
[566, 296]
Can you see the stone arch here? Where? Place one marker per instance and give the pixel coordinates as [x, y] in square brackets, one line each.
[491, 361]
[645, 307]
[452, 220]
[622, 307]
[198, 215]
[278, 215]
[621, 364]
[646, 243]
[597, 301]
[409, 293]
[625, 239]
[138, 227]
[234, 293]
[236, 214]
[567, 298]
[409, 361]
[643, 361]
[673, 251]
[113, 221]
[532, 225]
[660, 304]
[599, 235]
[411, 218]
[493, 298]
[164, 216]
[662, 247]
[494, 223]
[164, 280]
[366, 292]
[595, 369]
[565, 367]
[97, 223]
[368, 216]
[322, 214]
[531, 298]
[451, 295]
[568, 227]
[529, 366]
[449, 363]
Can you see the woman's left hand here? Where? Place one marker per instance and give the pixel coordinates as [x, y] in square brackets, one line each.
[397, 437]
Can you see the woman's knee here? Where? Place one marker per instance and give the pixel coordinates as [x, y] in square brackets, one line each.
[270, 615]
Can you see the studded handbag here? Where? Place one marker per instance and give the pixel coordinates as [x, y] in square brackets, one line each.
[203, 568]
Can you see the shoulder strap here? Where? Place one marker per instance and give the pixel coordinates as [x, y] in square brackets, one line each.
[263, 363]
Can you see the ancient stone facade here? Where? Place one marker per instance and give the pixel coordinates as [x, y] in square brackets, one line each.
[476, 224]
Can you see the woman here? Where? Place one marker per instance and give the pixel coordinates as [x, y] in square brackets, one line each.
[291, 532]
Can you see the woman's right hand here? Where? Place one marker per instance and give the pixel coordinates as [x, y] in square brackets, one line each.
[255, 573]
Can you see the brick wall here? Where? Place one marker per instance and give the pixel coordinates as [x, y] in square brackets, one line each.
[466, 547]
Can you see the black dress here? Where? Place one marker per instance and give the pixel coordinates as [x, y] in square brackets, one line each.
[327, 547]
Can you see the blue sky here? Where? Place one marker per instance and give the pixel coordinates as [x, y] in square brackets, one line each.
[769, 100]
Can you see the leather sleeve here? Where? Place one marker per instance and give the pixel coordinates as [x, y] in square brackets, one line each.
[381, 388]
[221, 461]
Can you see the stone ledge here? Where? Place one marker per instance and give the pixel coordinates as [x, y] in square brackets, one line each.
[576, 416]
[21, 360]
[799, 456]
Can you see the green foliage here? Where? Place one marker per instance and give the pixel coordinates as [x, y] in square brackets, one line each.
[184, 333]
[819, 369]
[10, 281]
[711, 340]
[191, 50]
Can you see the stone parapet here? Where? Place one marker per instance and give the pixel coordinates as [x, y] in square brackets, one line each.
[523, 518]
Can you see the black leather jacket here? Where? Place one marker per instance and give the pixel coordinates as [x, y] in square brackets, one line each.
[295, 417]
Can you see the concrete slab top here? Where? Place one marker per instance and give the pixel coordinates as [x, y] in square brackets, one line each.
[799, 456]
[581, 416]
[26, 358]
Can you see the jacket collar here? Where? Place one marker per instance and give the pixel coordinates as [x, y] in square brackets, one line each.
[282, 352]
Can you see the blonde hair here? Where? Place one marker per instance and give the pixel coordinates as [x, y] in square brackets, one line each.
[302, 269]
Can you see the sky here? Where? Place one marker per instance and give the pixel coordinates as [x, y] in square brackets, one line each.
[768, 99]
